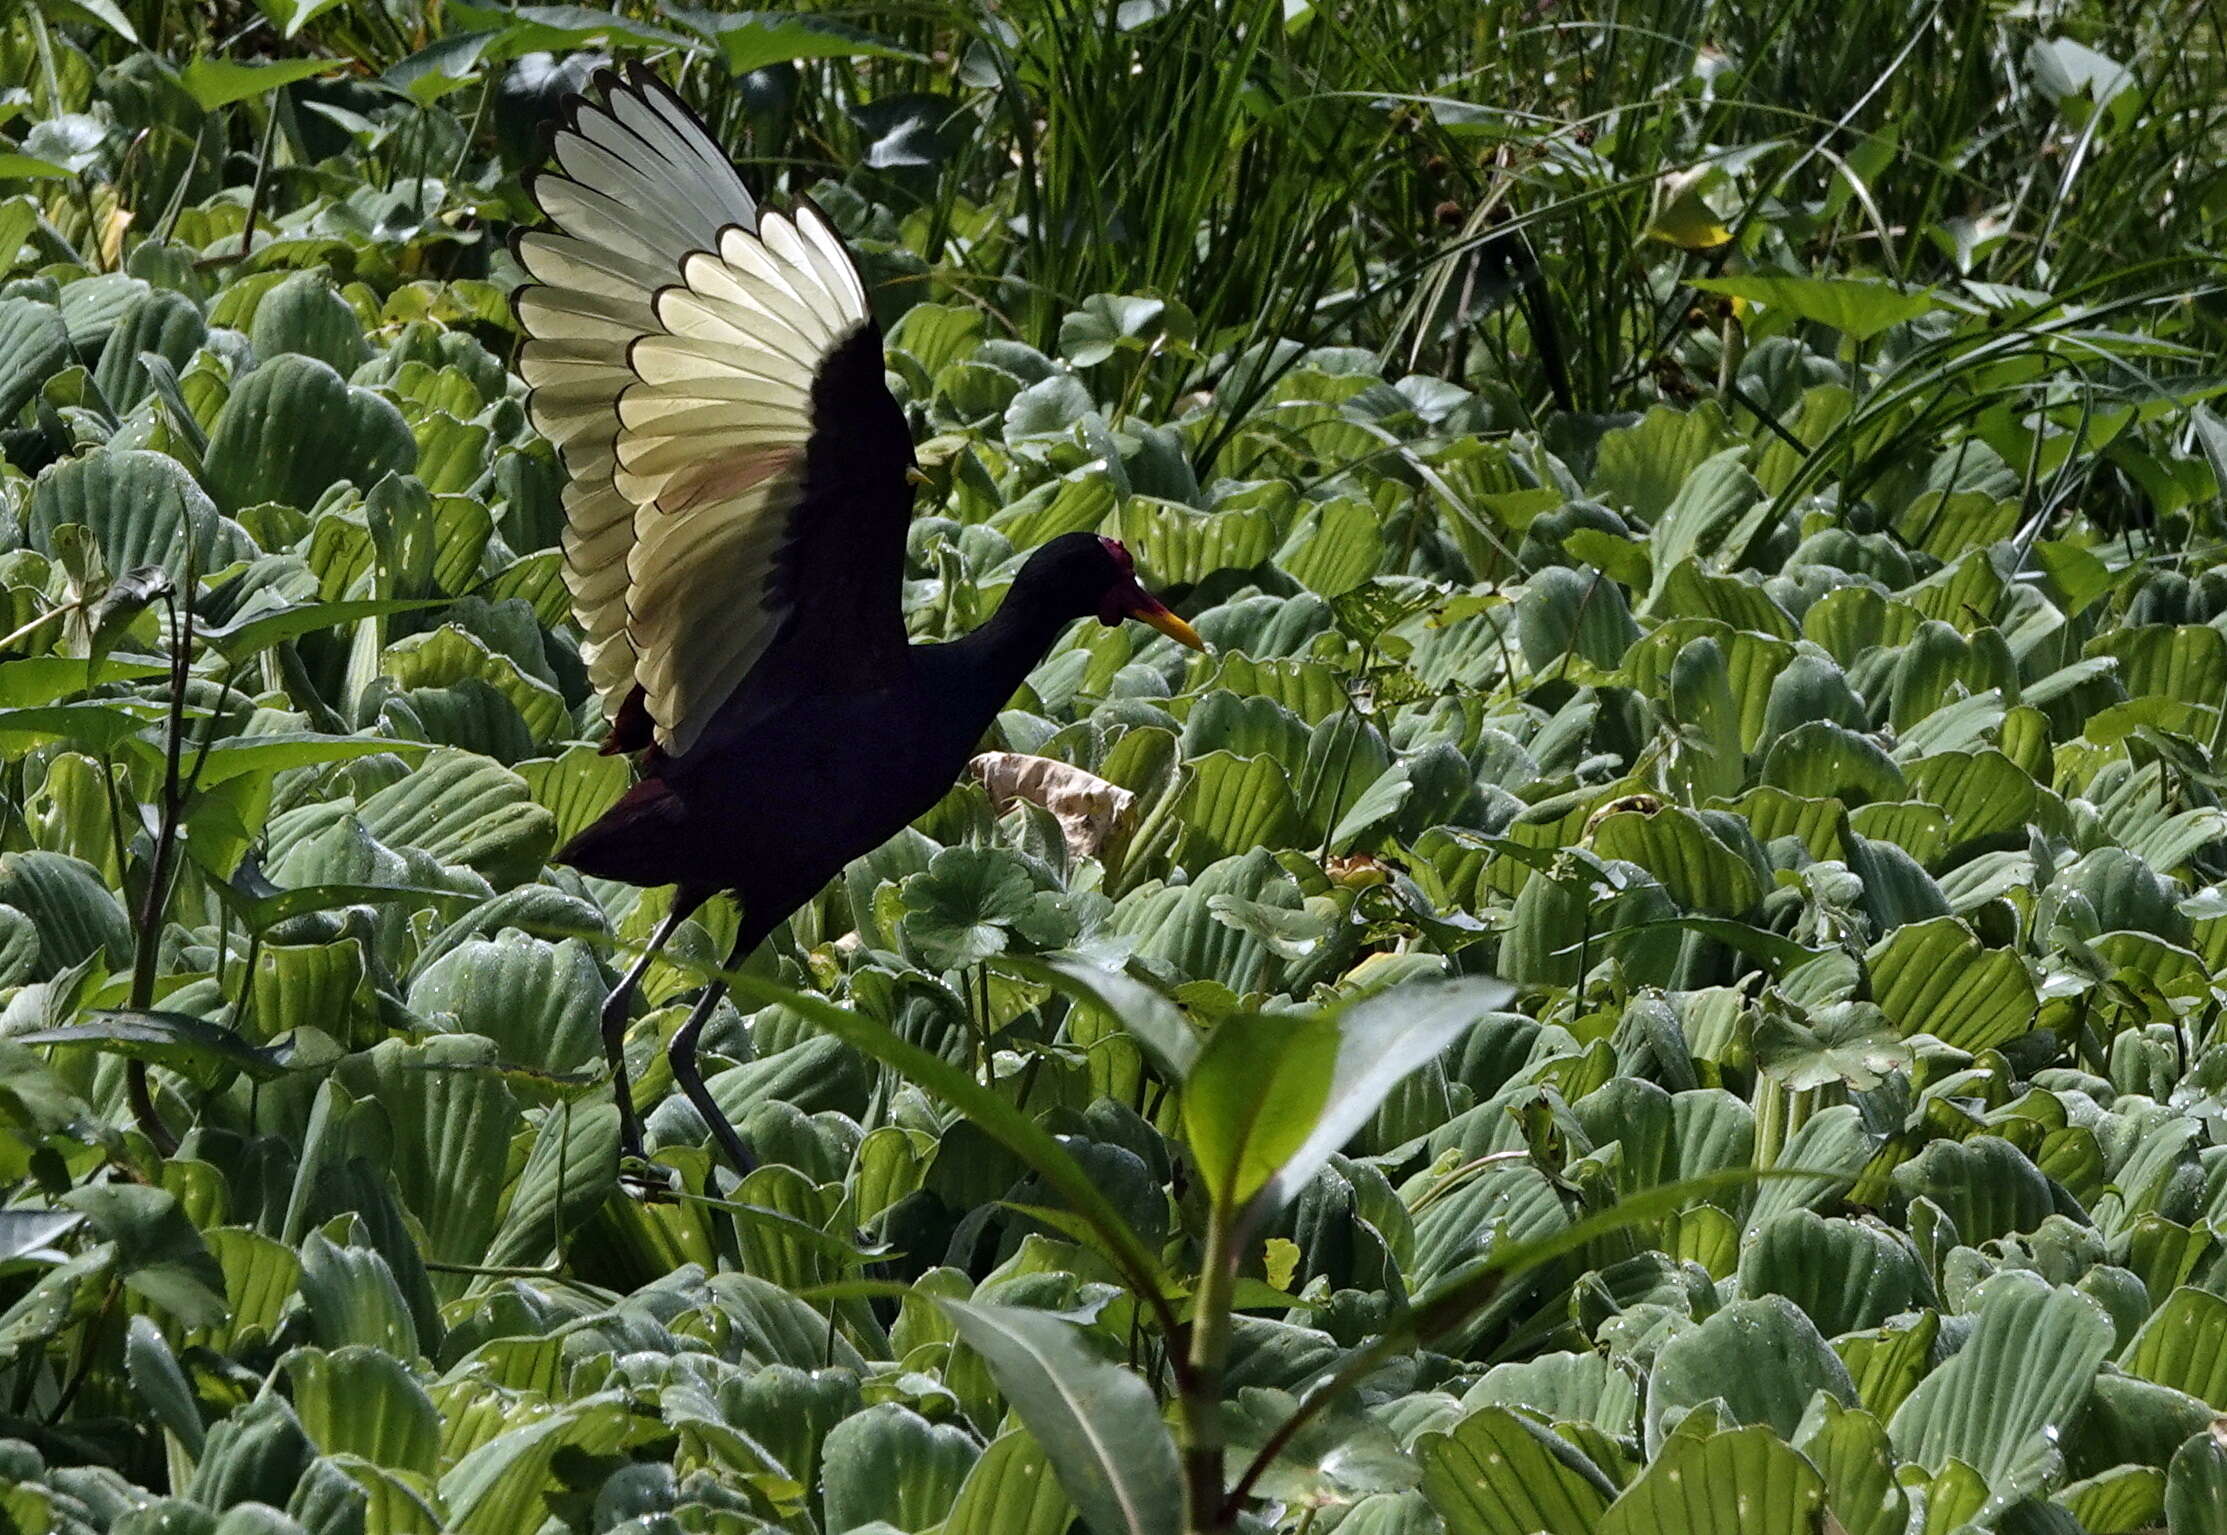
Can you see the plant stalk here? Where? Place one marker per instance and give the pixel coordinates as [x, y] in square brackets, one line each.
[1201, 1395]
[148, 950]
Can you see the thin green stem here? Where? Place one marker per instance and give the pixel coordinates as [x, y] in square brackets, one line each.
[155, 903]
[1200, 1401]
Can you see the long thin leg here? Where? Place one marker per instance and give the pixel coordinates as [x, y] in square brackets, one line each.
[682, 1053]
[615, 1008]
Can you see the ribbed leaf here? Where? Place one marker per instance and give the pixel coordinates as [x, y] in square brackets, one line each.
[1762, 1358]
[1231, 805]
[1746, 1482]
[1180, 546]
[1699, 871]
[293, 429]
[2196, 1486]
[1097, 1423]
[538, 1001]
[575, 787]
[2014, 1387]
[2121, 1501]
[1848, 1446]
[1935, 978]
[142, 508]
[500, 1487]
[468, 811]
[1499, 1472]
[2184, 1345]
[358, 1400]
[1011, 1491]
[891, 1465]
[1846, 1275]
[33, 343]
[452, 1121]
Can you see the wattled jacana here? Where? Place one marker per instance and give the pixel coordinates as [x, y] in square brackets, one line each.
[739, 489]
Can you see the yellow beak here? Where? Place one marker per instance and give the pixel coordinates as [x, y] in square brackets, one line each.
[1170, 625]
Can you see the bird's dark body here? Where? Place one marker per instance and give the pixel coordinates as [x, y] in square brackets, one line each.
[816, 782]
[716, 370]
[793, 781]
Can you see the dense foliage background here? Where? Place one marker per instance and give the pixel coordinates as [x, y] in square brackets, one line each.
[1707, 512]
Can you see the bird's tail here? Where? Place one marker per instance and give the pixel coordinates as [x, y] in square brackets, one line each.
[641, 840]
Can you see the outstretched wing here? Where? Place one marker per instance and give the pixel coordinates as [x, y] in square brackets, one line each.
[713, 378]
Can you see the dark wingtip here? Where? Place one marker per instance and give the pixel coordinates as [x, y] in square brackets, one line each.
[604, 81]
[632, 728]
[648, 82]
[515, 241]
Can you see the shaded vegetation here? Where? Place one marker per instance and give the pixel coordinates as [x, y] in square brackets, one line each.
[1660, 978]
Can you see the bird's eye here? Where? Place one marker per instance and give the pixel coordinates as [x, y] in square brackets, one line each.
[1120, 555]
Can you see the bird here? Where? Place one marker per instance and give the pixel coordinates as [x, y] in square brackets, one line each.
[739, 485]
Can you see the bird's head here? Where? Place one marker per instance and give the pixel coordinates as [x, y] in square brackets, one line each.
[1081, 574]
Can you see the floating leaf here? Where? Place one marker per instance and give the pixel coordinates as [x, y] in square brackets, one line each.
[1097, 1422]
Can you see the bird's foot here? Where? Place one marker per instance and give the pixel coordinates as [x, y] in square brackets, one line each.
[647, 1181]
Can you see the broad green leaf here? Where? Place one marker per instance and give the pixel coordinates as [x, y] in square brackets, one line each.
[1230, 805]
[1762, 1358]
[2014, 1387]
[142, 508]
[749, 40]
[1643, 467]
[1706, 519]
[1499, 1472]
[971, 903]
[76, 915]
[33, 339]
[1849, 1448]
[32, 1231]
[162, 1385]
[537, 1001]
[358, 1400]
[2127, 1498]
[20, 167]
[434, 70]
[1180, 546]
[1745, 1482]
[1844, 1274]
[889, 1465]
[2184, 1345]
[214, 82]
[1700, 872]
[1098, 1423]
[258, 631]
[1935, 978]
[293, 429]
[502, 1485]
[525, 29]
[1858, 307]
[2196, 1485]
[452, 1120]
[1159, 1026]
[1016, 1131]
[576, 786]
[256, 1455]
[1984, 1184]
[157, 1252]
[1012, 1490]
[1380, 1042]
[465, 810]
[1253, 1097]
[33, 681]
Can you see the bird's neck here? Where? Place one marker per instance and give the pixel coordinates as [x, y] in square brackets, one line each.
[997, 657]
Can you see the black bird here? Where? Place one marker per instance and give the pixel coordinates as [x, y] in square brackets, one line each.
[740, 485]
